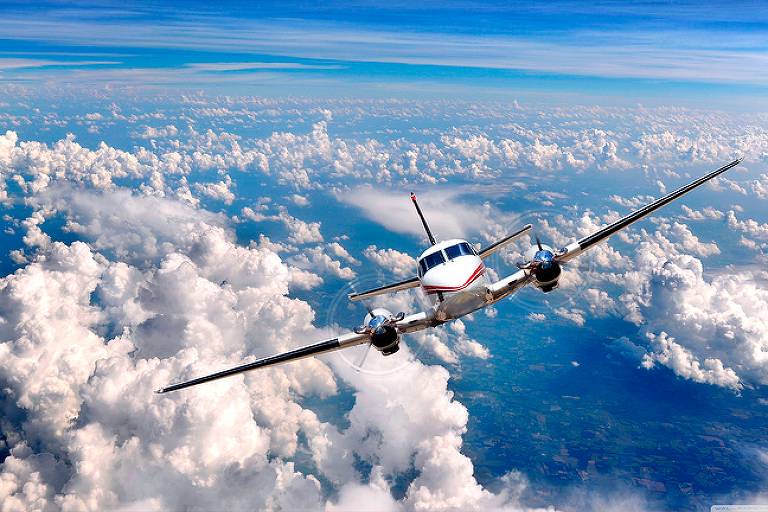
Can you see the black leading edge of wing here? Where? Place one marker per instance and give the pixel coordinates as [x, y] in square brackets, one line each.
[620, 224]
[299, 353]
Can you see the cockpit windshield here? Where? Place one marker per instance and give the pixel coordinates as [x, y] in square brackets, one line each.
[462, 249]
[431, 260]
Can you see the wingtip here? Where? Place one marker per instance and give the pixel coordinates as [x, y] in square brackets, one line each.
[739, 160]
[160, 391]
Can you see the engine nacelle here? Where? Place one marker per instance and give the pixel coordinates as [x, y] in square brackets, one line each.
[547, 275]
[545, 269]
[384, 335]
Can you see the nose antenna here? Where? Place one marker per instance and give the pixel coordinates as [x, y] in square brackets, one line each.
[423, 220]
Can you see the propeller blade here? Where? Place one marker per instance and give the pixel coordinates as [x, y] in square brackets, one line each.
[538, 243]
[359, 366]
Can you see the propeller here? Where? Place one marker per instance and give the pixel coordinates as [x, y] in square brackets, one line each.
[543, 266]
[359, 365]
[381, 328]
[538, 259]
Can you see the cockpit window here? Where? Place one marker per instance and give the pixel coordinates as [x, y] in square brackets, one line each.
[431, 260]
[462, 249]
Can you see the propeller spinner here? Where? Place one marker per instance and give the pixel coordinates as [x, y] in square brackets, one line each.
[544, 266]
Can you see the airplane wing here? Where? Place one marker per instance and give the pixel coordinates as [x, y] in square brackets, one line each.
[343, 341]
[487, 251]
[390, 288]
[509, 285]
[576, 248]
[367, 334]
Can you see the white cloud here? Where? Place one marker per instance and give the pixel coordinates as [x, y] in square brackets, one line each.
[705, 213]
[219, 190]
[184, 299]
[136, 228]
[338, 250]
[709, 330]
[400, 264]
[447, 216]
[299, 200]
[201, 304]
[573, 315]
[151, 132]
[315, 258]
[466, 345]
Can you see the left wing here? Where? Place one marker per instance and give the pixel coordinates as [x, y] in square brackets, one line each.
[576, 248]
[509, 285]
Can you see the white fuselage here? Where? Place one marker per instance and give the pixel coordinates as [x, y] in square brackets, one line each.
[454, 279]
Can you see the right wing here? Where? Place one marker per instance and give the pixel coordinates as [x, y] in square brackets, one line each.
[343, 341]
[487, 251]
[390, 288]
[366, 334]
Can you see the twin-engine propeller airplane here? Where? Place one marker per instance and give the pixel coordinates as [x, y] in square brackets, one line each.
[453, 276]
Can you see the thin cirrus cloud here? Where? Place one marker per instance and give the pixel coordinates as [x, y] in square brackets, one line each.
[631, 49]
[19, 63]
[251, 66]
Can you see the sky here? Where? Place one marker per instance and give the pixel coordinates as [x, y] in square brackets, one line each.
[623, 51]
[184, 188]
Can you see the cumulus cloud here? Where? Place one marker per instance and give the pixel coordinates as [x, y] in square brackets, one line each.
[163, 292]
[88, 336]
[317, 259]
[136, 228]
[400, 264]
[708, 330]
[219, 190]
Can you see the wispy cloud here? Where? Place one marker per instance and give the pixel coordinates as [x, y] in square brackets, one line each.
[249, 66]
[18, 63]
[677, 43]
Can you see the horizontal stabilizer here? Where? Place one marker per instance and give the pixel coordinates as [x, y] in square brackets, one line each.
[487, 251]
[390, 288]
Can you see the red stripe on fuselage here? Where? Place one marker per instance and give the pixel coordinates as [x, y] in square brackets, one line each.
[480, 270]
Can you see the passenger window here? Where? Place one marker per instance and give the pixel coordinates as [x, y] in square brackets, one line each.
[433, 260]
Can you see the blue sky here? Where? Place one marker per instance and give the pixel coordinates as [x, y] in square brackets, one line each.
[619, 52]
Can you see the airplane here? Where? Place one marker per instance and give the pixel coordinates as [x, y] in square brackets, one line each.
[451, 273]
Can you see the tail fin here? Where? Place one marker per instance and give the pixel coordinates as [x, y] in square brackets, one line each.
[423, 220]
